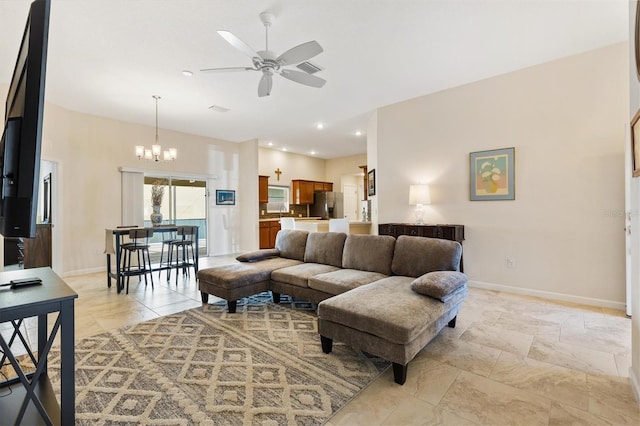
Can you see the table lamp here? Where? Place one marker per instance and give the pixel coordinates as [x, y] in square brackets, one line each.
[419, 195]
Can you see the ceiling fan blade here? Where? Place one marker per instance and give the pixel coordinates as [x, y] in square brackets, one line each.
[228, 69]
[303, 78]
[238, 44]
[300, 53]
[264, 88]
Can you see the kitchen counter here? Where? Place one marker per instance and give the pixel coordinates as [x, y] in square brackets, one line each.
[316, 224]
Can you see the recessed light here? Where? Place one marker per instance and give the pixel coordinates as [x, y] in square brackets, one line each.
[319, 126]
[218, 108]
[284, 149]
[269, 143]
[187, 73]
[313, 153]
[358, 133]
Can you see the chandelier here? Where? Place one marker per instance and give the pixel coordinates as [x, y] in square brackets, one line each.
[156, 150]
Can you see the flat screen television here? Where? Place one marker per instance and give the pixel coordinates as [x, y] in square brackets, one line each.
[22, 135]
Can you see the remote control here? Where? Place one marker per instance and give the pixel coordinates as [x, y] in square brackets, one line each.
[25, 282]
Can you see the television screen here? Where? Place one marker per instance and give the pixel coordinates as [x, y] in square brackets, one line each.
[22, 136]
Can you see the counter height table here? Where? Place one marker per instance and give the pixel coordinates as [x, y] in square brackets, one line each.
[115, 235]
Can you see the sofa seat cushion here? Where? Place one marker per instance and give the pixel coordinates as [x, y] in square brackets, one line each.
[243, 274]
[325, 247]
[439, 284]
[387, 308]
[342, 280]
[299, 275]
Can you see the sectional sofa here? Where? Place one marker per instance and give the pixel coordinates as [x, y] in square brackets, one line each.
[377, 294]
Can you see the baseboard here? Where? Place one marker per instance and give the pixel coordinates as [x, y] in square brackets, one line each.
[85, 271]
[549, 295]
[635, 384]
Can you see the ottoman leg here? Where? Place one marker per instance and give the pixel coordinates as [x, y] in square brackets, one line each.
[452, 323]
[232, 304]
[276, 297]
[204, 296]
[399, 373]
[327, 344]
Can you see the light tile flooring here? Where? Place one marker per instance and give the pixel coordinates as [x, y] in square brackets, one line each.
[511, 360]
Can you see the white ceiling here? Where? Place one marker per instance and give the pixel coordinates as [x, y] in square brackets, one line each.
[108, 57]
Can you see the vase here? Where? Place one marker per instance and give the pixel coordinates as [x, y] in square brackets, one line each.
[156, 216]
[490, 186]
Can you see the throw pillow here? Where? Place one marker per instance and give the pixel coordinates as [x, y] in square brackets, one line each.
[439, 284]
[254, 256]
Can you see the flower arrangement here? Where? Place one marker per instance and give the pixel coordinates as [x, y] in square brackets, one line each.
[490, 175]
[157, 192]
[489, 172]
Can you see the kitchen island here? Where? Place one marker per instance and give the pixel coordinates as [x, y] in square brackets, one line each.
[322, 225]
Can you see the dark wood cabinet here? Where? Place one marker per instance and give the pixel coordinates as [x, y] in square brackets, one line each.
[37, 251]
[303, 190]
[268, 232]
[445, 232]
[263, 189]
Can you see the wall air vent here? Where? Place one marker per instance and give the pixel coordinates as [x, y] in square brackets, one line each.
[218, 108]
[309, 68]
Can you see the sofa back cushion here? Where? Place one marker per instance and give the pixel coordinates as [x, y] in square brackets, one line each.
[415, 256]
[291, 243]
[325, 248]
[371, 253]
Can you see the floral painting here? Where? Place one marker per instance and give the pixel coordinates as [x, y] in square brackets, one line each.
[492, 175]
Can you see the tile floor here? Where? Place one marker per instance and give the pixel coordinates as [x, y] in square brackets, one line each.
[511, 360]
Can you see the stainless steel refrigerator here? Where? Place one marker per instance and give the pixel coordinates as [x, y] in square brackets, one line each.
[327, 205]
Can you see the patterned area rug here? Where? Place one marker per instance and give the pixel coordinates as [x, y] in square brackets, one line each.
[262, 365]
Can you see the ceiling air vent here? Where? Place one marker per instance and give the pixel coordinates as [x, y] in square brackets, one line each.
[309, 68]
[218, 108]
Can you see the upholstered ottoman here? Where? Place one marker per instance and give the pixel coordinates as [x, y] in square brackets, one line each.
[233, 282]
[387, 319]
[253, 272]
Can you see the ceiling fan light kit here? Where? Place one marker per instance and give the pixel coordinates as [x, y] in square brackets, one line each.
[269, 63]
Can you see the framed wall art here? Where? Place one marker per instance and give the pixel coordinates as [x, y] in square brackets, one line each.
[492, 175]
[371, 182]
[225, 197]
[635, 144]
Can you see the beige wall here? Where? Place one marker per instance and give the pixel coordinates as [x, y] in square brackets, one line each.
[566, 120]
[293, 166]
[89, 152]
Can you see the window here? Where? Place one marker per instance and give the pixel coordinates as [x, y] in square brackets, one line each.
[278, 199]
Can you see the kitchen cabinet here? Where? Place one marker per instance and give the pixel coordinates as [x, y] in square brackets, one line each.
[263, 189]
[268, 232]
[302, 191]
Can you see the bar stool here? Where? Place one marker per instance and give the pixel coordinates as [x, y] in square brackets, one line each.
[185, 241]
[167, 239]
[139, 244]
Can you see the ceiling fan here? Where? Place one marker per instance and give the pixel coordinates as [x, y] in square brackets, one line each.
[270, 63]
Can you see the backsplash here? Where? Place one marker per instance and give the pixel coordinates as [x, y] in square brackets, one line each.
[299, 210]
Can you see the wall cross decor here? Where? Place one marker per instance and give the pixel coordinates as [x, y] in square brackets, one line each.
[278, 172]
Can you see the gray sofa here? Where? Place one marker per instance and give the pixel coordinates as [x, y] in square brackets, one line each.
[384, 296]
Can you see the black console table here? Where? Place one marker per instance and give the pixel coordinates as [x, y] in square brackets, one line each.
[445, 232]
[35, 401]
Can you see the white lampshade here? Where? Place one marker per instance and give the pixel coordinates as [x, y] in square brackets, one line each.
[419, 194]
